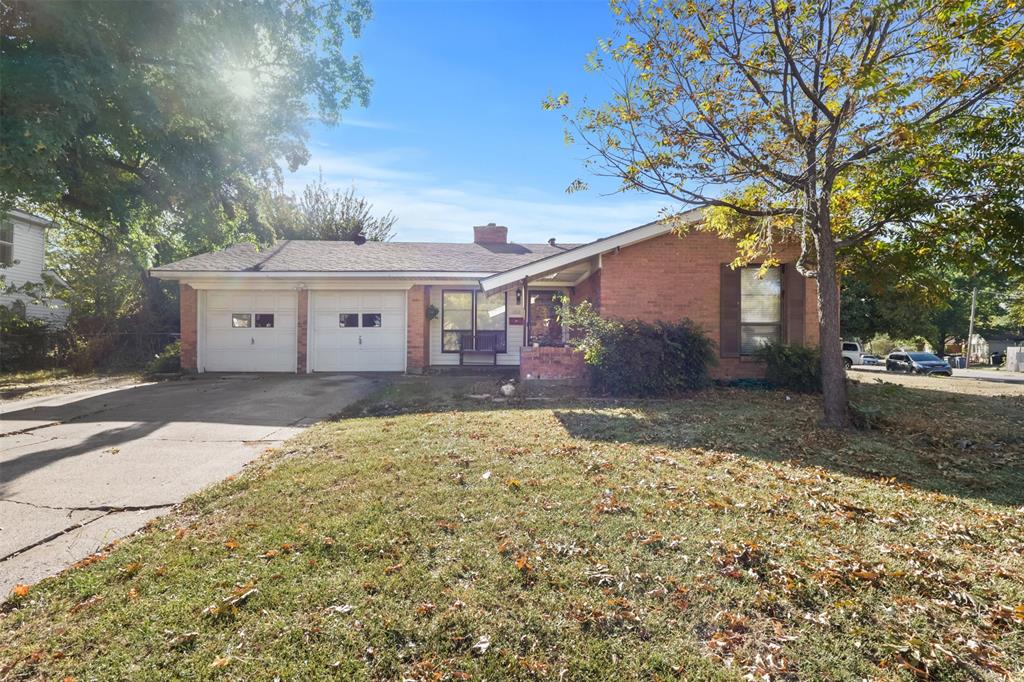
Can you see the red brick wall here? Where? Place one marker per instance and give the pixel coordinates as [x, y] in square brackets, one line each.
[551, 362]
[417, 346]
[588, 290]
[302, 332]
[189, 302]
[669, 278]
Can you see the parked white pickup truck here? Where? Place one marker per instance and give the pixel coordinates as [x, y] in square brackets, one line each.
[851, 354]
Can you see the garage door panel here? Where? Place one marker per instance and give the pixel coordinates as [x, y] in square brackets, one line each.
[360, 348]
[249, 349]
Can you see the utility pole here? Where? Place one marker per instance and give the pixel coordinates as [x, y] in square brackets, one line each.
[970, 329]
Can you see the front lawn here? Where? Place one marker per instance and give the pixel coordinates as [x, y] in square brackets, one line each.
[434, 536]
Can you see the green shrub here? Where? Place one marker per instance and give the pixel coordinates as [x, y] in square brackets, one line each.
[794, 367]
[167, 361]
[635, 358]
[25, 343]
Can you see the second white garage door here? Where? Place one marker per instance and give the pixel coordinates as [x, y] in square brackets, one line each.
[357, 331]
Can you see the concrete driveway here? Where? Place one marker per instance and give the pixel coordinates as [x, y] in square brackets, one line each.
[80, 470]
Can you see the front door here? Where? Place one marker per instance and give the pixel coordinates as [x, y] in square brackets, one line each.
[545, 328]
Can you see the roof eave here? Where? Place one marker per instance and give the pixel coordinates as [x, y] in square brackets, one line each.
[557, 261]
[307, 274]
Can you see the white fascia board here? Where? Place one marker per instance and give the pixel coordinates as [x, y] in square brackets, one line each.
[351, 274]
[23, 217]
[294, 282]
[580, 253]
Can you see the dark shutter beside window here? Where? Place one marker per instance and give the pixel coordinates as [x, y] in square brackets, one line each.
[729, 335]
[794, 289]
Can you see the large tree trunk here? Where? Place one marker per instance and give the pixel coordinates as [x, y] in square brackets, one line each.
[833, 375]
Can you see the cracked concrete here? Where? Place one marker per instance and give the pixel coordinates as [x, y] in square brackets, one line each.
[80, 470]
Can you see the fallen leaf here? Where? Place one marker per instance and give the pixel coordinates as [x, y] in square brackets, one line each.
[270, 554]
[86, 603]
[221, 662]
[231, 543]
[343, 609]
[482, 645]
[20, 590]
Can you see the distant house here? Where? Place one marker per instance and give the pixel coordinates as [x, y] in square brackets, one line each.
[309, 306]
[23, 261]
[986, 342]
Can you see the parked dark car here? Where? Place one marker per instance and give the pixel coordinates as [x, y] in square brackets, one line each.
[917, 363]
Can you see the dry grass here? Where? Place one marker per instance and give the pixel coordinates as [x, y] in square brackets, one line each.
[432, 536]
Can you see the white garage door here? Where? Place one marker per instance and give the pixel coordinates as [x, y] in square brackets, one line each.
[249, 331]
[358, 331]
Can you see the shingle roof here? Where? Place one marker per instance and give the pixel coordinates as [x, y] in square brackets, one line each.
[347, 256]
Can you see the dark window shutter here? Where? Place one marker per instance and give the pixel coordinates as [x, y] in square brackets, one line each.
[794, 299]
[729, 294]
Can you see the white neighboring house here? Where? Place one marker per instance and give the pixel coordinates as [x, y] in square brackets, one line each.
[23, 260]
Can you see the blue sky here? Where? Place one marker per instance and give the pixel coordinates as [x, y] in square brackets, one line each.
[455, 135]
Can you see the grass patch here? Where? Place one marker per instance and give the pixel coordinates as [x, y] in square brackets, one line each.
[15, 385]
[443, 537]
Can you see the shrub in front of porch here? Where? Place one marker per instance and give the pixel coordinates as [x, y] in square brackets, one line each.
[637, 358]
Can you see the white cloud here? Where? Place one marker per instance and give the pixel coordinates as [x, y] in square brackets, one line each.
[430, 211]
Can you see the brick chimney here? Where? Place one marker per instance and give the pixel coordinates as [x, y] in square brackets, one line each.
[490, 234]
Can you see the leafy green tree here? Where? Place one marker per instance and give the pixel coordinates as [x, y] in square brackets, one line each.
[111, 110]
[322, 212]
[771, 114]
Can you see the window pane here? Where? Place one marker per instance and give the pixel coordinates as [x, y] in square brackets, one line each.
[450, 341]
[753, 336]
[490, 312]
[348, 319]
[264, 320]
[7, 232]
[6, 254]
[371, 319]
[241, 320]
[760, 297]
[457, 310]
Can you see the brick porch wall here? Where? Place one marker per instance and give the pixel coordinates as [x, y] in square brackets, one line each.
[417, 330]
[189, 307]
[669, 278]
[551, 363]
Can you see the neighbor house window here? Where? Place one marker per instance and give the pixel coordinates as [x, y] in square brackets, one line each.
[760, 308]
[348, 320]
[264, 320]
[6, 243]
[241, 320]
[371, 320]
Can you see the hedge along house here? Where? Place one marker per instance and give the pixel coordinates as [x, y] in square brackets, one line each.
[312, 306]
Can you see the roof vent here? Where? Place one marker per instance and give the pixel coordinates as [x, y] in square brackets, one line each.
[490, 234]
[551, 242]
[359, 238]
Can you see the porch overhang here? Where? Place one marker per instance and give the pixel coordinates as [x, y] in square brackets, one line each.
[575, 265]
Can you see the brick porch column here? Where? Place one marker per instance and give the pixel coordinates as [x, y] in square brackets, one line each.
[301, 331]
[417, 330]
[188, 299]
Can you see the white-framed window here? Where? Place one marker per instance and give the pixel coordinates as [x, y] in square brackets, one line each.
[473, 320]
[760, 308]
[241, 320]
[6, 243]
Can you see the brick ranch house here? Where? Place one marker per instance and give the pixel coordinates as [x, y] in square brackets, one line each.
[311, 306]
